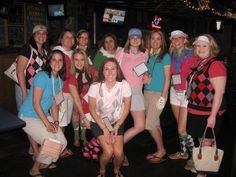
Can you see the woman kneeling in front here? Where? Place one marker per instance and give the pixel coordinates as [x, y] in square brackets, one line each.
[40, 125]
[109, 104]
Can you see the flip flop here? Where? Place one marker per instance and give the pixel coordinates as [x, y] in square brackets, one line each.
[36, 175]
[150, 156]
[118, 174]
[157, 159]
[66, 153]
[51, 166]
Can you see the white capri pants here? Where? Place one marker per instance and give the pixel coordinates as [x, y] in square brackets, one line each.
[67, 107]
[37, 130]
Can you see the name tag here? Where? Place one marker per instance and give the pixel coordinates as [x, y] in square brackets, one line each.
[140, 69]
[176, 79]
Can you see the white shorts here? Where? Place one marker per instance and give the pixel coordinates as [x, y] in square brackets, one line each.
[178, 97]
[67, 107]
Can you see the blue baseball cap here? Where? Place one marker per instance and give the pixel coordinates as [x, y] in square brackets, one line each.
[135, 32]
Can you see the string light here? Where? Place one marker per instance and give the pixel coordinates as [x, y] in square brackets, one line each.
[204, 5]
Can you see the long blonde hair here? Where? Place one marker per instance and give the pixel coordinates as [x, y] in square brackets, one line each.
[86, 61]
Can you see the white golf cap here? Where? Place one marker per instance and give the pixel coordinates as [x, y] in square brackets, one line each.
[201, 39]
[177, 33]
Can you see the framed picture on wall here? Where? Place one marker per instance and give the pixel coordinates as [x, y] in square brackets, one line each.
[16, 36]
[16, 15]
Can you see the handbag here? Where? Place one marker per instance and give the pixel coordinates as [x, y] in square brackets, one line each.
[11, 71]
[207, 158]
[51, 148]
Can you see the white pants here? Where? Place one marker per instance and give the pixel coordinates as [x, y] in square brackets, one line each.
[37, 130]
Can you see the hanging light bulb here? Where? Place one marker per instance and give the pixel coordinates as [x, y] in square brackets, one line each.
[203, 4]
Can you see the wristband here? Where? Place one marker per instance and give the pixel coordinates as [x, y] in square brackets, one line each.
[56, 122]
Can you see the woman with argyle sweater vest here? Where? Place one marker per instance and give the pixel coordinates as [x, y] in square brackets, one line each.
[206, 87]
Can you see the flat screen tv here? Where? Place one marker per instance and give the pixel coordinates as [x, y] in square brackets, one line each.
[114, 16]
[56, 11]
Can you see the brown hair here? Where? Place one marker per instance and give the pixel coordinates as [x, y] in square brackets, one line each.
[163, 43]
[120, 75]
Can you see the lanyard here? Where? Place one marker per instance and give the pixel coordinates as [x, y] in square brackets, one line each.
[53, 82]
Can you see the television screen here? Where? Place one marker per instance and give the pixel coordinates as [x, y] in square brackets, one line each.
[114, 16]
[56, 11]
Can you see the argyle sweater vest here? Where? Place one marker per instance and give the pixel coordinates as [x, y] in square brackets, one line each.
[37, 63]
[201, 91]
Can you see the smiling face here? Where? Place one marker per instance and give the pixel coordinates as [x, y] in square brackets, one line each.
[67, 41]
[178, 42]
[155, 41]
[135, 41]
[83, 40]
[110, 72]
[109, 44]
[40, 37]
[202, 49]
[56, 63]
[79, 61]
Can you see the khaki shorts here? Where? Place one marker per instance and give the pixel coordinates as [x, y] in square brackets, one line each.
[152, 113]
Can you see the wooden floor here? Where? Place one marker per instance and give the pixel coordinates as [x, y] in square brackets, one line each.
[16, 162]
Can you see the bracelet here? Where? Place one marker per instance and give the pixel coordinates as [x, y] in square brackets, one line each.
[56, 122]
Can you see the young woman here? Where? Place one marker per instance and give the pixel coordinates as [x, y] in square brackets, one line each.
[109, 103]
[156, 91]
[206, 87]
[36, 53]
[181, 61]
[41, 125]
[66, 42]
[82, 76]
[108, 49]
[82, 42]
[132, 55]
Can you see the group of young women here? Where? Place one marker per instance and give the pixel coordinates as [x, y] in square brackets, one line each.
[101, 97]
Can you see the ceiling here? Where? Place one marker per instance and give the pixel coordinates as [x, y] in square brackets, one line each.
[176, 7]
[163, 7]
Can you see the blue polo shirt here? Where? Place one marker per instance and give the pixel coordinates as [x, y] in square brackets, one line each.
[156, 69]
[41, 80]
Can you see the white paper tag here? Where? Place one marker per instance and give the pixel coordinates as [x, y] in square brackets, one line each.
[140, 69]
[176, 79]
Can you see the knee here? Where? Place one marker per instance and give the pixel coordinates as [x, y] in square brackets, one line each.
[140, 128]
[108, 153]
[118, 153]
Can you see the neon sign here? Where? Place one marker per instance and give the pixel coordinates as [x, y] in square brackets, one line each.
[156, 22]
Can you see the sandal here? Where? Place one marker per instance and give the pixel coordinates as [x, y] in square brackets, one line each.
[101, 174]
[150, 156]
[157, 159]
[118, 174]
[66, 153]
[46, 166]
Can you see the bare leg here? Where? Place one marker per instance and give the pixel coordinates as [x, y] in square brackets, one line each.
[34, 146]
[118, 153]
[107, 153]
[139, 123]
[157, 136]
